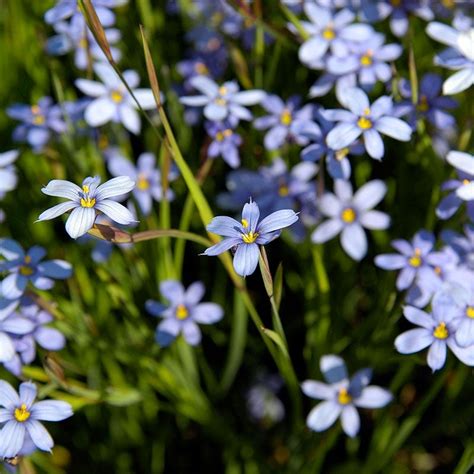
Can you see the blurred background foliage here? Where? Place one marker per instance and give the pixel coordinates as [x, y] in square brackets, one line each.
[140, 408]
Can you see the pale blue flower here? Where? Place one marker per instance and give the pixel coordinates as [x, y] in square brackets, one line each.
[11, 327]
[262, 401]
[85, 201]
[367, 120]
[21, 416]
[341, 396]
[348, 215]
[183, 312]
[225, 142]
[222, 101]
[8, 177]
[112, 102]
[437, 331]
[247, 235]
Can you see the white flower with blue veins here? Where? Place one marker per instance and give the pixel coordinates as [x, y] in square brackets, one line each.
[87, 200]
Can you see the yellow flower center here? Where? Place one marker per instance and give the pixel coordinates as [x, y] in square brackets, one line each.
[415, 260]
[181, 312]
[328, 34]
[396, 3]
[364, 123]
[470, 312]
[466, 182]
[438, 270]
[222, 90]
[39, 119]
[219, 136]
[250, 237]
[201, 68]
[348, 215]
[343, 396]
[35, 110]
[213, 44]
[448, 3]
[116, 96]
[283, 190]
[86, 201]
[26, 271]
[142, 182]
[22, 413]
[423, 104]
[285, 117]
[220, 101]
[341, 154]
[366, 60]
[441, 331]
[83, 43]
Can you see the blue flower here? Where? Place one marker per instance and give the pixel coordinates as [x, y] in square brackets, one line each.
[40, 122]
[28, 266]
[366, 120]
[341, 396]
[462, 189]
[247, 235]
[77, 36]
[85, 201]
[225, 142]
[262, 401]
[146, 176]
[8, 178]
[459, 56]
[463, 245]
[349, 214]
[183, 312]
[221, 102]
[112, 101]
[437, 331]
[10, 328]
[286, 122]
[21, 416]
[65, 9]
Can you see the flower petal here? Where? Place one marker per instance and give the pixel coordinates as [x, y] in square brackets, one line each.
[354, 241]
[207, 313]
[333, 368]
[437, 355]
[414, 340]
[373, 397]
[28, 393]
[194, 293]
[225, 226]
[419, 317]
[246, 259]
[390, 261]
[277, 220]
[369, 195]
[39, 435]
[116, 211]
[350, 420]
[250, 216]
[326, 231]
[100, 111]
[343, 135]
[80, 221]
[222, 246]
[12, 437]
[57, 210]
[323, 415]
[375, 220]
[191, 333]
[373, 144]
[115, 187]
[318, 390]
[394, 128]
[62, 188]
[51, 410]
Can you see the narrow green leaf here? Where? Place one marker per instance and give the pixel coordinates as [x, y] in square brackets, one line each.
[278, 286]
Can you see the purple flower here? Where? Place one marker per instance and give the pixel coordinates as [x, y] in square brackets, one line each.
[146, 176]
[366, 120]
[437, 331]
[463, 245]
[21, 416]
[286, 121]
[183, 312]
[225, 142]
[349, 214]
[40, 122]
[462, 189]
[85, 201]
[247, 235]
[341, 396]
[8, 178]
[28, 266]
[221, 102]
[112, 101]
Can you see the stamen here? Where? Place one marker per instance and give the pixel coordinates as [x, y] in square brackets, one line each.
[250, 238]
[142, 182]
[364, 123]
[441, 332]
[87, 202]
[116, 96]
[181, 312]
[415, 260]
[423, 105]
[348, 215]
[227, 132]
[39, 119]
[283, 190]
[285, 117]
[222, 90]
[328, 34]
[341, 154]
[21, 414]
[245, 223]
[343, 396]
[470, 312]
[201, 68]
[26, 271]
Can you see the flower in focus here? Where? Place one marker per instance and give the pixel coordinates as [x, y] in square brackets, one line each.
[40, 122]
[225, 142]
[145, 174]
[367, 120]
[245, 236]
[183, 312]
[221, 102]
[341, 396]
[349, 213]
[459, 56]
[112, 101]
[8, 178]
[437, 331]
[22, 416]
[23, 267]
[85, 201]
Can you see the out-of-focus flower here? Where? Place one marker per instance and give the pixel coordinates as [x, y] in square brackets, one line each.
[8, 178]
[10, 328]
[286, 121]
[147, 178]
[225, 142]
[221, 102]
[183, 312]
[459, 56]
[366, 120]
[462, 189]
[463, 245]
[65, 9]
[328, 30]
[262, 400]
[437, 331]
[77, 36]
[341, 396]
[22, 416]
[248, 234]
[40, 122]
[24, 267]
[85, 201]
[112, 101]
[349, 213]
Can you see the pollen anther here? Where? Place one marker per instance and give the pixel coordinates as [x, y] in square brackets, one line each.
[22, 414]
